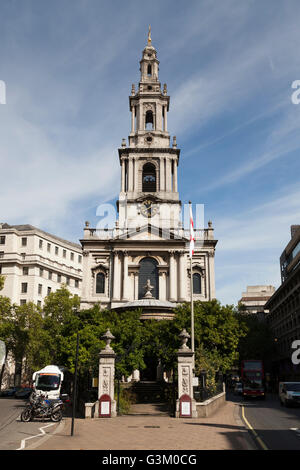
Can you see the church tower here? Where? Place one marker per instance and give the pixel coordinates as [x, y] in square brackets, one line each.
[149, 164]
[143, 262]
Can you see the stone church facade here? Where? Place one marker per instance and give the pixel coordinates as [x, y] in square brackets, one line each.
[143, 261]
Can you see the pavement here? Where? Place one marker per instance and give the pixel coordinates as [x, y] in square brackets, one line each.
[224, 430]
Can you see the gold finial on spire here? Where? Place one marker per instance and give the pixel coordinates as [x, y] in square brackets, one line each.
[149, 35]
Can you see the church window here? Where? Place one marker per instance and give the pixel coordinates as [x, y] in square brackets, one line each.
[196, 283]
[149, 120]
[148, 270]
[149, 70]
[100, 283]
[149, 178]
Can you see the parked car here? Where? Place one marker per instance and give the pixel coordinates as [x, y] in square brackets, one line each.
[289, 393]
[9, 392]
[238, 389]
[25, 392]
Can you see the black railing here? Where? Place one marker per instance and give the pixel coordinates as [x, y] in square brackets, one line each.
[205, 393]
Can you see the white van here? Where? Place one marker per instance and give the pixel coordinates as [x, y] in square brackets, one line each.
[289, 393]
[48, 380]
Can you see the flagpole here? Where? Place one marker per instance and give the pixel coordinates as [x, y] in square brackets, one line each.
[191, 268]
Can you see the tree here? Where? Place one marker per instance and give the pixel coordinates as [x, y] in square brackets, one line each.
[218, 329]
[258, 343]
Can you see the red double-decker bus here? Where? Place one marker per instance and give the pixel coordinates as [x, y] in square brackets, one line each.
[252, 373]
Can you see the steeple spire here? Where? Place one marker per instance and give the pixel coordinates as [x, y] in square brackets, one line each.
[149, 36]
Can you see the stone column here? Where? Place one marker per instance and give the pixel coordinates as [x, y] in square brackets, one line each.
[125, 276]
[168, 174]
[162, 286]
[106, 379]
[211, 273]
[123, 175]
[116, 277]
[185, 374]
[175, 186]
[162, 174]
[130, 175]
[182, 276]
[132, 119]
[172, 277]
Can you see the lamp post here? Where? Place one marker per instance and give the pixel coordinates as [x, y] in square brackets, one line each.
[75, 379]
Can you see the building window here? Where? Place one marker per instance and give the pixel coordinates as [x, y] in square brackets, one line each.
[149, 178]
[41, 244]
[41, 272]
[56, 250]
[40, 289]
[64, 253]
[1, 254]
[79, 258]
[24, 241]
[148, 270]
[48, 247]
[100, 283]
[76, 283]
[39, 303]
[149, 70]
[25, 271]
[2, 240]
[59, 278]
[72, 256]
[67, 281]
[49, 290]
[24, 287]
[196, 283]
[22, 301]
[50, 275]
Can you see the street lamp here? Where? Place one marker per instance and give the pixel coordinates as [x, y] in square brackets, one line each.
[75, 377]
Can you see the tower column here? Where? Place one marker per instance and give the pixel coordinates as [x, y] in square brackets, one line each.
[175, 187]
[132, 119]
[162, 174]
[168, 174]
[172, 277]
[182, 277]
[130, 175]
[125, 276]
[123, 175]
[116, 283]
[165, 119]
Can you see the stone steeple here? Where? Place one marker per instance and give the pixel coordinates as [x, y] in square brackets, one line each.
[149, 164]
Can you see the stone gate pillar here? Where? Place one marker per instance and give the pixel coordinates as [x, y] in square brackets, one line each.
[185, 404]
[106, 380]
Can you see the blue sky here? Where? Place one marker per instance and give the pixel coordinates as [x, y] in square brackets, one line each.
[68, 66]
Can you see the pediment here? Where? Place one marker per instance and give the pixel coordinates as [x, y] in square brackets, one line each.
[151, 232]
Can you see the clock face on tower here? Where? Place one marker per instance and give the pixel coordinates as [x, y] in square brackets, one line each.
[148, 208]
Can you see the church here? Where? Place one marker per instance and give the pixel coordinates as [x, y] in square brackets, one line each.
[143, 261]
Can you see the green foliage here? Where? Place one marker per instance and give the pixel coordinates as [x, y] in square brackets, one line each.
[2, 279]
[258, 343]
[49, 337]
[218, 330]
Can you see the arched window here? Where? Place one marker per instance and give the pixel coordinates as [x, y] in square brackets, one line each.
[148, 270]
[149, 70]
[100, 283]
[149, 178]
[149, 123]
[196, 283]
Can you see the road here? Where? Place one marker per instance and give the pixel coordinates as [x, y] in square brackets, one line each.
[14, 434]
[277, 427]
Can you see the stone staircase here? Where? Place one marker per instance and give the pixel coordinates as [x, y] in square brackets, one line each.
[150, 400]
[148, 392]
